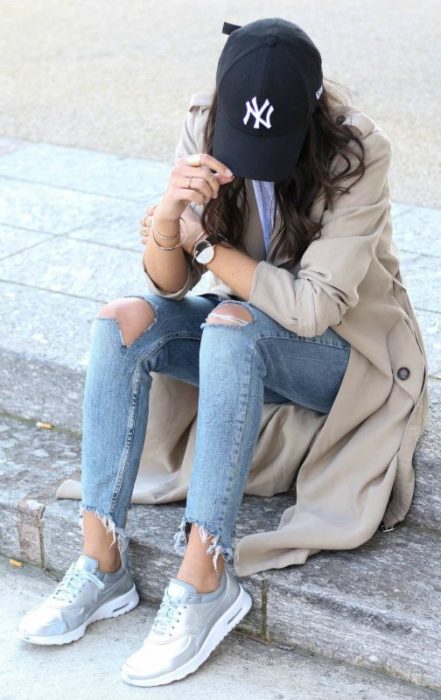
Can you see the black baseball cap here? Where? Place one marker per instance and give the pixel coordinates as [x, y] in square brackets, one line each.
[269, 79]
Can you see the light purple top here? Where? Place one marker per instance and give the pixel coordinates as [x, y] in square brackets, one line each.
[264, 192]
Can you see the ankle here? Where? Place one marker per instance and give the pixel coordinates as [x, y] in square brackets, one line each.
[203, 579]
[105, 568]
[106, 565]
[201, 585]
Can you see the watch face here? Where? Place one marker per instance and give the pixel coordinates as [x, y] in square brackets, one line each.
[205, 255]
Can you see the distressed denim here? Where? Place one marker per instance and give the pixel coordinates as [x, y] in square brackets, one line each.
[237, 366]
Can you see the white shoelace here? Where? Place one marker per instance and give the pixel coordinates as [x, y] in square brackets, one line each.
[166, 615]
[73, 582]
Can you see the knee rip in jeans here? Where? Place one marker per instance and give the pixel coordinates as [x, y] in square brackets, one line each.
[215, 548]
[115, 312]
[118, 533]
[226, 315]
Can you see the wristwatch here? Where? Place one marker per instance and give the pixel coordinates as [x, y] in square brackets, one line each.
[204, 250]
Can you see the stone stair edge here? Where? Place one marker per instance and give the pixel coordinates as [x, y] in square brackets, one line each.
[38, 525]
[279, 606]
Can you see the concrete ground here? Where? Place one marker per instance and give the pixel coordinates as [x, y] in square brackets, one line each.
[239, 667]
[117, 77]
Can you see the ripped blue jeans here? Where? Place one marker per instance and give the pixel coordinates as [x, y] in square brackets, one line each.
[238, 366]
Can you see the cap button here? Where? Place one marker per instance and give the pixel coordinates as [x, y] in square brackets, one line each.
[271, 40]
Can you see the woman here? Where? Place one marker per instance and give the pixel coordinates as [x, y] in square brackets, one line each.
[276, 144]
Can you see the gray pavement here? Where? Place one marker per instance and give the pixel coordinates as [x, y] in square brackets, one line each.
[117, 77]
[239, 667]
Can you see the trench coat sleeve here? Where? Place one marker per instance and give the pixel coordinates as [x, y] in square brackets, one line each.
[185, 146]
[333, 266]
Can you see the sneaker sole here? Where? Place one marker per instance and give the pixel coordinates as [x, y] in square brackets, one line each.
[113, 608]
[220, 629]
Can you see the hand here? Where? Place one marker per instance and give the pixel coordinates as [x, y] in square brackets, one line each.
[204, 185]
[195, 230]
[146, 230]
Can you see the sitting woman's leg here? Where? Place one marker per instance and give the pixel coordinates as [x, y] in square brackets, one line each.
[243, 352]
[128, 342]
[133, 317]
[229, 412]
[244, 355]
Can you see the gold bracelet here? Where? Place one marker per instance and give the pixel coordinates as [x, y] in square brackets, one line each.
[161, 247]
[160, 234]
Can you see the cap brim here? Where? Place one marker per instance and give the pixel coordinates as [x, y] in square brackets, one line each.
[256, 157]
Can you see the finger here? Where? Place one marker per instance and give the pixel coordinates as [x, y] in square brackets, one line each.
[199, 184]
[204, 173]
[196, 184]
[212, 163]
[149, 212]
[190, 195]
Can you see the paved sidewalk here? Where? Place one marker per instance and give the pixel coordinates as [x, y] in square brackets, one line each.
[239, 667]
[117, 77]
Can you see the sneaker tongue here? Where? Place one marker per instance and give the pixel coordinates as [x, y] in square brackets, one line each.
[85, 563]
[180, 590]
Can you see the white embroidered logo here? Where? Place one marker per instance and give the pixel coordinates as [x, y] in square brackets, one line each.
[253, 110]
[319, 92]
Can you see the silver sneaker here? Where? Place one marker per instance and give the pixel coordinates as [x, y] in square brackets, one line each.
[83, 596]
[186, 629]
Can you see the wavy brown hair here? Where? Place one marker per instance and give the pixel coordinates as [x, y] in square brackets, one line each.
[326, 139]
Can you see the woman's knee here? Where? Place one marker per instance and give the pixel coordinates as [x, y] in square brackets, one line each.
[230, 314]
[133, 314]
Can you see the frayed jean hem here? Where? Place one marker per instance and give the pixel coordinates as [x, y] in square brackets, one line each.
[119, 534]
[180, 540]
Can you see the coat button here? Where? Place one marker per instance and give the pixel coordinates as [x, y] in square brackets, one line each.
[403, 372]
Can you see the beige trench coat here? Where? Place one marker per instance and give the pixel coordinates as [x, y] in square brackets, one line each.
[354, 465]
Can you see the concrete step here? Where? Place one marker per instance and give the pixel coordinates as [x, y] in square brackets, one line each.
[377, 607]
[239, 666]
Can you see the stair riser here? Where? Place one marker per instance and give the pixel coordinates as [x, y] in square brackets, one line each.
[355, 636]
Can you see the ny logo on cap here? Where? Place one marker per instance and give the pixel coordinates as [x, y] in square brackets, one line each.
[253, 110]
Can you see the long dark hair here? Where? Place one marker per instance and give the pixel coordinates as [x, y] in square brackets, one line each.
[327, 138]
